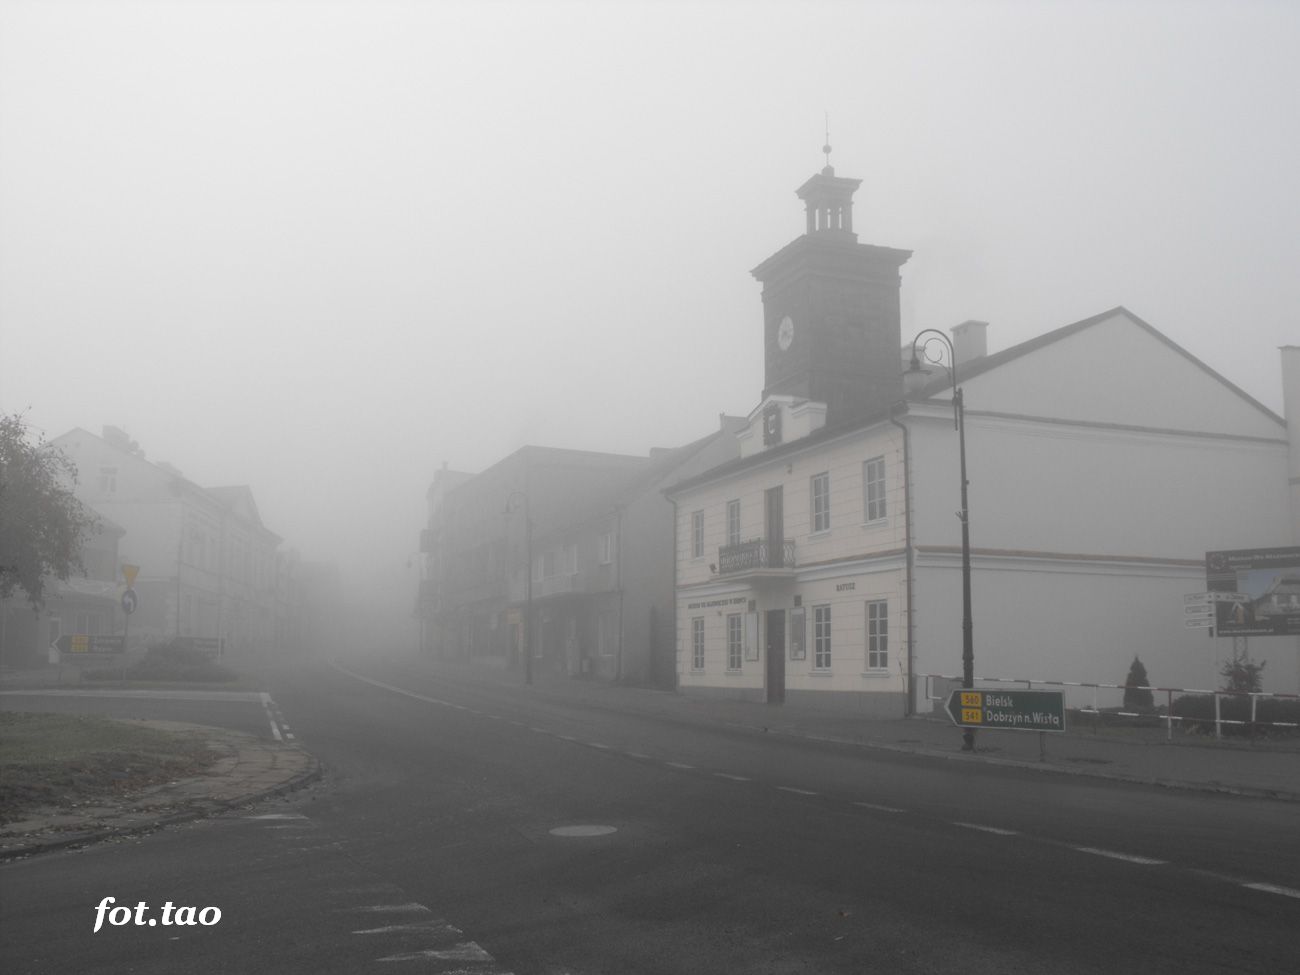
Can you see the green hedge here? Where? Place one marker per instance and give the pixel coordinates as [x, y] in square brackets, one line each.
[1197, 710]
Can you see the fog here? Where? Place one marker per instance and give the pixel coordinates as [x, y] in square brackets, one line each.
[321, 248]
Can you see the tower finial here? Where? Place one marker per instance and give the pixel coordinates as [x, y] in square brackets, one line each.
[826, 148]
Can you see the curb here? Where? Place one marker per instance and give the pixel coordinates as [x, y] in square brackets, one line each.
[793, 734]
[201, 809]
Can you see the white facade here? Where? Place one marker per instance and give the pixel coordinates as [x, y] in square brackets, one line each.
[1103, 462]
[207, 566]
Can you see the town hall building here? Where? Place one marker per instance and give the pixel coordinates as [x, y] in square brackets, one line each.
[1103, 461]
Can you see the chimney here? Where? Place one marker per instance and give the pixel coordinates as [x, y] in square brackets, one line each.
[970, 341]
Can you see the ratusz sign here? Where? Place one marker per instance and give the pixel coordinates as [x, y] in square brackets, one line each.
[1009, 710]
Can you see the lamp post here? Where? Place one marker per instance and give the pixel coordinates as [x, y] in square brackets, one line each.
[915, 375]
[527, 639]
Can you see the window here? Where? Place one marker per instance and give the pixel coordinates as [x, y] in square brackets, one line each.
[550, 563]
[697, 643]
[821, 638]
[606, 548]
[571, 559]
[873, 488]
[821, 502]
[735, 640]
[733, 522]
[697, 534]
[877, 635]
[108, 480]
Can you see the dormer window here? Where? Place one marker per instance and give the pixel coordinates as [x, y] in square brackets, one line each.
[771, 425]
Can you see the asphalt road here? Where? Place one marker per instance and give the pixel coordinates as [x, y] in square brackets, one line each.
[430, 848]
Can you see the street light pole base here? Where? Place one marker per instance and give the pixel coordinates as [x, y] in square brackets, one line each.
[968, 741]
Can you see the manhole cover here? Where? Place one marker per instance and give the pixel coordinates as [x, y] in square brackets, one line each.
[583, 830]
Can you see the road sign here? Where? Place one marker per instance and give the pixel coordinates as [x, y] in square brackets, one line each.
[1195, 622]
[129, 601]
[1010, 710]
[85, 643]
[130, 572]
[1229, 597]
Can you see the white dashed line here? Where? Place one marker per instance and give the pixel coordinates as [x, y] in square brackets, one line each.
[390, 909]
[596, 744]
[798, 792]
[638, 755]
[1274, 889]
[468, 951]
[681, 765]
[733, 778]
[879, 808]
[566, 737]
[427, 927]
[1128, 857]
[988, 829]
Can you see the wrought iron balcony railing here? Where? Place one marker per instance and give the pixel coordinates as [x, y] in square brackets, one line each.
[754, 555]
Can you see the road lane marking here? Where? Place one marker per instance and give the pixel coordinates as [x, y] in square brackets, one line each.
[681, 765]
[987, 829]
[436, 925]
[270, 716]
[800, 792]
[1274, 889]
[389, 909]
[879, 808]
[640, 755]
[596, 744]
[733, 778]
[1128, 857]
[277, 816]
[466, 951]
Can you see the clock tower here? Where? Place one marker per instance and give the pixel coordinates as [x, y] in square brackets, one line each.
[831, 310]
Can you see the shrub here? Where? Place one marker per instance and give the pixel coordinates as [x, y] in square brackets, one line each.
[1137, 687]
[1197, 710]
[171, 661]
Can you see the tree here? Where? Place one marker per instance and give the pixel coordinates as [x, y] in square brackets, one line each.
[1137, 687]
[42, 525]
[1243, 675]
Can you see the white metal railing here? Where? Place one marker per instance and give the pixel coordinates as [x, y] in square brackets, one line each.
[1168, 717]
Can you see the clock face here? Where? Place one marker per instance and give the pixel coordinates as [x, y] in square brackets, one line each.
[785, 333]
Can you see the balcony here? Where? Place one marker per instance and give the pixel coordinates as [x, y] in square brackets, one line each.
[757, 558]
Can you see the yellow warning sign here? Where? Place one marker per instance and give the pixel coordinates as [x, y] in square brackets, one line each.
[130, 571]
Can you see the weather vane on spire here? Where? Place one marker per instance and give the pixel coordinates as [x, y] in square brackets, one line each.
[826, 148]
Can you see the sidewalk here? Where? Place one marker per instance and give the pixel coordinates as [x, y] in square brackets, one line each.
[1266, 769]
[249, 770]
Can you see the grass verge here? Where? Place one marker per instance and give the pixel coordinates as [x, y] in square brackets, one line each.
[64, 760]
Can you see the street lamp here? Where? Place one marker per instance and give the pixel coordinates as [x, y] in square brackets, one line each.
[915, 377]
[527, 639]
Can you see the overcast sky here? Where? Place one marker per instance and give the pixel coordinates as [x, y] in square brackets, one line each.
[319, 248]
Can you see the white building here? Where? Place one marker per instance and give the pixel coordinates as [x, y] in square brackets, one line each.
[1104, 461]
[207, 564]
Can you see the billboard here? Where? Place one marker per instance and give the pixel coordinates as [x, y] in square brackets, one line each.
[1270, 577]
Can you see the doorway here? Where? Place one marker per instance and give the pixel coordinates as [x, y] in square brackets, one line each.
[775, 631]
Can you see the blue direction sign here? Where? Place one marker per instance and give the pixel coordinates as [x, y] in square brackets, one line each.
[1011, 710]
[129, 601]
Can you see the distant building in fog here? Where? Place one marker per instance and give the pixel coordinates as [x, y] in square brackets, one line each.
[87, 603]
[1104, 461]
[208, 566]
[601, 568]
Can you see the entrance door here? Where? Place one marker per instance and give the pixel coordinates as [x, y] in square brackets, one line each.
[775, 526]
[775, 632]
